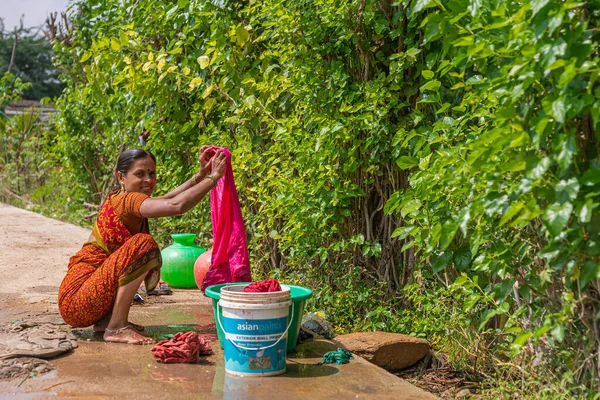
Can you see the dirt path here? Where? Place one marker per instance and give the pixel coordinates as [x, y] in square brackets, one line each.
[34, 253]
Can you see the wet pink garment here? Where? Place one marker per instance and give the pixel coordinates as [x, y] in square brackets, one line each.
[181, 348]
[229, 262]
[268, 285]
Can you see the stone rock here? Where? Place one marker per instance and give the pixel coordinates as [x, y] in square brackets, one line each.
[391, 351]
[317, 325]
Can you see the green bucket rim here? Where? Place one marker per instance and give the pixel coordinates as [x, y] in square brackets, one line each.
[214, 291]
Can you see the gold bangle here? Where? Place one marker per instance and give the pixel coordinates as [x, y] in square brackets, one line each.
[212, 178]
[194, 180]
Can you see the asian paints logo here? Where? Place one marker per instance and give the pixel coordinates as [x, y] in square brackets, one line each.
[268, 326]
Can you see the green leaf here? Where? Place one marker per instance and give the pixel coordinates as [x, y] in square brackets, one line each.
[114, 44]
[176, 50]
[585, 215]
[407, 246]
[558, 332]
[402, 232]
[432, 85]
[462, 257]
[207, 91]
[510, 212]
[420, 5]
[589, 271]
[86, 55]
[487, 315]
[195, 82]
[522, 338]
[392, 204]
[427, 74]
[591, 177]
[406, 162]
[566, 147]
[171, 12]
[475, 80]
[513, 329]
[556, 217]
[411, 207]
[474, 6]
[448, 232]
[539, 169]
[412, 52]
[567, 190]
[434, 236]
[439, 262]
[559, 110]
[204, 61]
[471, 301]
[242, 36]
[502, 289]
[537, 5]
[464, 216]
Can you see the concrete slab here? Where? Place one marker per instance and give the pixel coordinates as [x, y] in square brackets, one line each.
[98, 370]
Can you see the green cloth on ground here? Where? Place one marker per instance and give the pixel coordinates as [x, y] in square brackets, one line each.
[340, 356]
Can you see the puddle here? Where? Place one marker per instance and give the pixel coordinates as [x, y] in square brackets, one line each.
[202, 371]
[167, 332]
[88, 335]
[157, 332]
[308, 371]
[177, 316]
[255, 387]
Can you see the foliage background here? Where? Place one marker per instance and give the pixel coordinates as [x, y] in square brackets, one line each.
[32, 62]
[429, 167]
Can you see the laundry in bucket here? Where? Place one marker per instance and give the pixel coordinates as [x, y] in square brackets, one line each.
[181, 348]
[255, 326]
[268, 285]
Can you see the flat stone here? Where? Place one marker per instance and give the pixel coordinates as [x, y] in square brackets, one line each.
[391, 351]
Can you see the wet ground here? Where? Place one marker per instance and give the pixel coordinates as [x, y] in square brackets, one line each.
[99, 370]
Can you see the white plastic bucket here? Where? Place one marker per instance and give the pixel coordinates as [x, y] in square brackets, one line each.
[256, 327]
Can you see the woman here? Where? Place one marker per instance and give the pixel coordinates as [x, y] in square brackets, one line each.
[105, 274]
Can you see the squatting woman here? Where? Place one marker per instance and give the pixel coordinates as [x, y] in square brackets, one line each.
[105, 274]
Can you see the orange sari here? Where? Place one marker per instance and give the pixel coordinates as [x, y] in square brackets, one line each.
[88, 291]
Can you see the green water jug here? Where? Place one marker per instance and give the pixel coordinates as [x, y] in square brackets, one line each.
[178, 261]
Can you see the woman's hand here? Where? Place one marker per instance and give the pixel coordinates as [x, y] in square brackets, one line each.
[206, 155]
[218, 163]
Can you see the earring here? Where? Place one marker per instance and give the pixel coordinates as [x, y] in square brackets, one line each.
[123, 190]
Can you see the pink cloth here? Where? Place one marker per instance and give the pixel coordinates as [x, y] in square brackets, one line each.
[182, 348]
[268, 285]
[230, 261]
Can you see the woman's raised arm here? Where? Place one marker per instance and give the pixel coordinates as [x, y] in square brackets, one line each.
[205, 165]
[185, 198]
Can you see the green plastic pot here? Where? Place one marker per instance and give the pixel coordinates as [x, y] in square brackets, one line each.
[178, 261]
[298, 295]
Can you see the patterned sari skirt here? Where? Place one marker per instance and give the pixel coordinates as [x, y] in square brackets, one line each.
[88, 291]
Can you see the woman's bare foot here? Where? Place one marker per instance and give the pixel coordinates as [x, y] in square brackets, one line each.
[128, 335]
[101, 325]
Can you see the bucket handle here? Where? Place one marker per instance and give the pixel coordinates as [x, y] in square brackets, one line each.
[253, 348]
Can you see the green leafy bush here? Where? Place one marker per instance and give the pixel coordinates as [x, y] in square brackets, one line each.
[428, 166]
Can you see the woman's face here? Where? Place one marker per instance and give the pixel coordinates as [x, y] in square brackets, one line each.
[141, 176]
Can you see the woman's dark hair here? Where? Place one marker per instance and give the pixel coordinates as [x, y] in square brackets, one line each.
[128, 157]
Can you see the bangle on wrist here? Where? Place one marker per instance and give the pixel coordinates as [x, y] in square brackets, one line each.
[212, 178]
[194, 180]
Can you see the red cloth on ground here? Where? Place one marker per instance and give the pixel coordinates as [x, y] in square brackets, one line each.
[230, 261]
[181, 348]
[268, 285]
